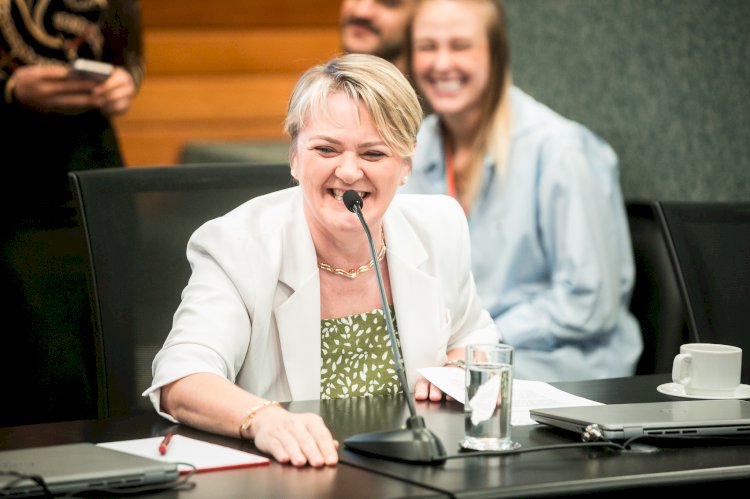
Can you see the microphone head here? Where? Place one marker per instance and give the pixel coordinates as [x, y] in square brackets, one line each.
[352, 201]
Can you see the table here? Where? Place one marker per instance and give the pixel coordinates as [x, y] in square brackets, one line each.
[268, 481]
[678, 464]
[578, 471]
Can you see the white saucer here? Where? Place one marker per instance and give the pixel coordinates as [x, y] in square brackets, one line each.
[677, 390]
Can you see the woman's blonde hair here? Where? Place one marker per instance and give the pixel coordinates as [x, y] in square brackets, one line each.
[379, 85]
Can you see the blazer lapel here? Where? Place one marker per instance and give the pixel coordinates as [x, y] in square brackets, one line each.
[298, 316]
[416, 295]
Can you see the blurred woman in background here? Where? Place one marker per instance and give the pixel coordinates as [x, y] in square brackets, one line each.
[551, 251]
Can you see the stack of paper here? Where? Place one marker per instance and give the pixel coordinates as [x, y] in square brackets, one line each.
[185, 451]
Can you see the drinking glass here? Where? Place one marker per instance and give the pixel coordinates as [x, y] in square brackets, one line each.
[487, 403]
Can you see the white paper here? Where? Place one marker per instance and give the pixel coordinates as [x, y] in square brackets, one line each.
[526, 394]
[204, 456]
[484, 401]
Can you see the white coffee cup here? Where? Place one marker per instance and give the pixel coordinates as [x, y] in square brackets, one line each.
[708, 369]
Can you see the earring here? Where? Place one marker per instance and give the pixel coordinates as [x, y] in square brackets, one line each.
[404, 179]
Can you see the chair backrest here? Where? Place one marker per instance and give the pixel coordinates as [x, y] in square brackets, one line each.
[137, 222]
[656, 300]
[709, 243]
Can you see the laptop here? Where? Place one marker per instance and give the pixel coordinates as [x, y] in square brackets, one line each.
[73, 467]
[674, 418]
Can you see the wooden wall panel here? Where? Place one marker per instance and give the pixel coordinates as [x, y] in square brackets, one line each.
[173, 111]
[163, 146]
[235, 51]
[222, 72]
[190, 98]
[240, 13]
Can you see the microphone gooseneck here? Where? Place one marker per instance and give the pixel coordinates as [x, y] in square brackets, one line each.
[415, 443]
[353, 203]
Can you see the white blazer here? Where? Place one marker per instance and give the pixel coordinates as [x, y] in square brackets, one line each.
[251, 309]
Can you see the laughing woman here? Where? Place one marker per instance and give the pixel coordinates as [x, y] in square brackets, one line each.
[281, 280]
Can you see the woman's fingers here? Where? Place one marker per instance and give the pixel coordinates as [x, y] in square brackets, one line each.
[327, 446]
[436, 394]
[298, 439]
[116, 94]
[424, 390]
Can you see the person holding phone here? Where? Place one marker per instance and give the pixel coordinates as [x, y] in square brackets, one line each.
[52, 121]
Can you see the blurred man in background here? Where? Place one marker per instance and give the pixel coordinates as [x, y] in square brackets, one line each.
[376, 27]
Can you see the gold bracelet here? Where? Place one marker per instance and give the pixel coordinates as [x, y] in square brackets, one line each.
[10, 86]
[456, 362]
[248, 419]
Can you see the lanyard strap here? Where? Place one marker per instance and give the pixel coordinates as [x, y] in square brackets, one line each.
[450, 173]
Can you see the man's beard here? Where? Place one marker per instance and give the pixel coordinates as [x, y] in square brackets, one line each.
[388, 51]
[391, 52]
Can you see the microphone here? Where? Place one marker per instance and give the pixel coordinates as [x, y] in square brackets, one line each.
[353, 203]
[415, 443]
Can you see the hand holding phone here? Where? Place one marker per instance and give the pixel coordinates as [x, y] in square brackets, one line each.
[93, 70]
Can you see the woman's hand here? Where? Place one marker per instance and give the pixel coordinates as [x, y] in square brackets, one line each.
[213, 403]
[298, 439]
[425, 390]
[52, 89]
[116, 94]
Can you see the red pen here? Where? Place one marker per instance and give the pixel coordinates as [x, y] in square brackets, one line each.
[165, 443]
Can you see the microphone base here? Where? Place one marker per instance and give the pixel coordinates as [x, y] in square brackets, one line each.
[413, 444]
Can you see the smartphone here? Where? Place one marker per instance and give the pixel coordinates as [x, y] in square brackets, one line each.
[93, 70]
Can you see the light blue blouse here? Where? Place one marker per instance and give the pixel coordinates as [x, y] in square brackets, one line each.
[551, 251]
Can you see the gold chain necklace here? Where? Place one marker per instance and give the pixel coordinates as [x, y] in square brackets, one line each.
[351, 274]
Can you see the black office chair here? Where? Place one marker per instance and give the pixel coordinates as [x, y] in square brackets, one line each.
[656, 300]
[137, 222]
[47, 331]
[709, 244]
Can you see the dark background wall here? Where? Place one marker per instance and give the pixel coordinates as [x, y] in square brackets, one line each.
[666, 82]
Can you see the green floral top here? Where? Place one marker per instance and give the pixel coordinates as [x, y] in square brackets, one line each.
[356, 356]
